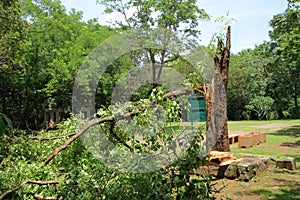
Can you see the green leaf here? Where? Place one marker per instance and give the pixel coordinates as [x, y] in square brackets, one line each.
[2, 126]
[9, 122]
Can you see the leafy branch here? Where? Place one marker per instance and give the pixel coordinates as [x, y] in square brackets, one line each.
[51, 182]
[112, 120]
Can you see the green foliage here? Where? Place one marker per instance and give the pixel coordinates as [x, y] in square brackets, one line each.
[261, 105]
[82, 176]
[285, 45]
[224, 21]
[5, 123]
[248, 79]
[269, 70]
[176, 16]
[172, 14]
[41, 52]
[12, 34]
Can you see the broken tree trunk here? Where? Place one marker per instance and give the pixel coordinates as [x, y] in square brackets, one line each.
[221, 60]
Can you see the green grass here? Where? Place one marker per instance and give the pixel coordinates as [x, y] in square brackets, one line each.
[274, 183]
[284, 142]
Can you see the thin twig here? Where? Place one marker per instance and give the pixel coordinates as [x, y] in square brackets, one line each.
[25, 182]
[53, 138]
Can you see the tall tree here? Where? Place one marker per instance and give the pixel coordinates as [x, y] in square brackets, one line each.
[41, 48]
[286, 45]
[179, 16]
[13, 35]
[249, 79]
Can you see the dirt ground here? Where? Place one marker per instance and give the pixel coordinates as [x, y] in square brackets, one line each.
[273, 183]
[274, 126]
[268, 127]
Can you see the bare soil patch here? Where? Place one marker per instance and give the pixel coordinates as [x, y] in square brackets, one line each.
[273, 126]
[271, 184]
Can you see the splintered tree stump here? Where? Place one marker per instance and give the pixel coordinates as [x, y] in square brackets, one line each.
[221, 61]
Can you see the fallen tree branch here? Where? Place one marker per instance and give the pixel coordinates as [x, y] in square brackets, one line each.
[74, 137]
[111, 130]
[41, 182]
[25, 182]
[171, 94]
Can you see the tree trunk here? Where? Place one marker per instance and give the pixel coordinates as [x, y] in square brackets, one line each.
[221, 60]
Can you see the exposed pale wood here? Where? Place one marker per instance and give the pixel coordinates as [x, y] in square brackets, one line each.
[218, 158]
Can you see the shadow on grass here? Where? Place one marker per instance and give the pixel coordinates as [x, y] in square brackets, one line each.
[293, 131]
[284, 191]
[291, 144]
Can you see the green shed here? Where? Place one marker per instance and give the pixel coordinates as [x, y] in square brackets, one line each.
[197, 112]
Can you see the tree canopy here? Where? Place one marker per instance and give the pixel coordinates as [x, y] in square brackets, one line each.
[269, 71]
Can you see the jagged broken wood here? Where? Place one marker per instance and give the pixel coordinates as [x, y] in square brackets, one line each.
[221, 60]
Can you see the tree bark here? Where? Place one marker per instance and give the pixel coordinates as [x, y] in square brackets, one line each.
[221, 60]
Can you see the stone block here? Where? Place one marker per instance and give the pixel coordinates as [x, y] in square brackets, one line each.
[231, 171]
[286, 163]
[246, 169]
[262, 165]
[242, 169]
[208, 170]
[267, 159]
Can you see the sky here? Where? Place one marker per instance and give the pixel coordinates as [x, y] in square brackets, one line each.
[250, 28]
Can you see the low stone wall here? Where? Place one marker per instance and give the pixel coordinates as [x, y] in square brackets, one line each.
[245, 168]
[242, 169]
